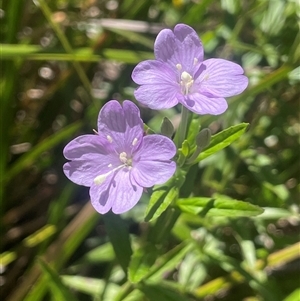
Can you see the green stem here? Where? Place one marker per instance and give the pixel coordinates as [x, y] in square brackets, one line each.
[183, 125]
[126, 289]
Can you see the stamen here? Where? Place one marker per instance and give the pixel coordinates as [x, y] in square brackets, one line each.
[134, 142]
[110, 140]
[179, 66]
[123, 157]
[195, 61]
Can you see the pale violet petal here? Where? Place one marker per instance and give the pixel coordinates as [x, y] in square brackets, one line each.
[91, 155]
[83, 172]
[201, 104]
[155, 148]
[118, 192]
[164, 45]
[157, 97]
[150, 173]
[86, 146]
[100, 195]
[111, 117]
[116, 128]
[124, 193]
[134, 126]
[222, 78]
[152, 162]
[181, 47]
[189, 46]
[153, 72]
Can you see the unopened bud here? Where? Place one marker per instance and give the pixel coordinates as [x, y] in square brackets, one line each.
[203, 138]
[167, 128]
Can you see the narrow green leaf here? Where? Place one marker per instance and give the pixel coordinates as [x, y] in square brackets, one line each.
[28, 158]
[6, 258]
[218, 207]
[230, 264]
[58, 289]
[191, 272]
[34, 285]
[167, 200]
[162, 195]
[35, 52]
[92, 286]
[133, 37]
[294, 296]
[222, 140]
[103, 253]
[156, 199]
[135, 295]
[183, 152]
[169, 261]
[141, 261]
[163, 225]
[170, 198]
[155, 292]
[40, 236]
[119, 236]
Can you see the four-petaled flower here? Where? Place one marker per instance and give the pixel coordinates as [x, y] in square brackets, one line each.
[179, 75]
[119, 161]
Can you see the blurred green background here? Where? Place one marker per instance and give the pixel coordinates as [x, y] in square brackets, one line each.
[60, 62]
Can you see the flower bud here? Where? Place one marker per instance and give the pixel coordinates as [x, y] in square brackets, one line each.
[203, 138]
[167, 128]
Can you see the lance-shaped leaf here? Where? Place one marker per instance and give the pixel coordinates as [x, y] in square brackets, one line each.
[218, 207]
[58, 289]
[155, 292]
[141, 261]
[222, 140]
[118, 234]
[91, 286]
[164, 195]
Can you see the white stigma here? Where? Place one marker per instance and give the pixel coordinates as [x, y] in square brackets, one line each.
[110, 140]
[100, 179]
[134, 142]
[186, 82]
[126, 162]
[178, 67]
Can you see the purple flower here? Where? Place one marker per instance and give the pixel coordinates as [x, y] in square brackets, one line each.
[119, 160]
[179, 75]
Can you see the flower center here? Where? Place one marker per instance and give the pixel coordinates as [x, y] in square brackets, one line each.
[186, 79]
[123, 157]
[186, 82]
[126, 161]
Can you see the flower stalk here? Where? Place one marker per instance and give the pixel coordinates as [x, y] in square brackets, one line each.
[183, 125]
